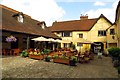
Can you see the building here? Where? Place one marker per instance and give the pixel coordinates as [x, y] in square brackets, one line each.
[111, 36]
[22, 27]
[85, 33]
[113, 32]
[117, 22]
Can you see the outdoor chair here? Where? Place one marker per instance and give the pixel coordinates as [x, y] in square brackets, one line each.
[15, 52]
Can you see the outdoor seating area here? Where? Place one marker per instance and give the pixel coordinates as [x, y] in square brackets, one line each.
[63, 56]
[10, 52]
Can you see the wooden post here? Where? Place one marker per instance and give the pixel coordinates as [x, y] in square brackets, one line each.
[28, 40]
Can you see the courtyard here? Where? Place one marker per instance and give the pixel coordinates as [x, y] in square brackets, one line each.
[20, 67]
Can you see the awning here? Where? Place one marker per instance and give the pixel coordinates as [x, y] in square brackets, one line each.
[46, 39]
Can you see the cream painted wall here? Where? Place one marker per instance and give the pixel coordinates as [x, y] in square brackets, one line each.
[91, 35]
[101, 24]
[109, 37]
[75, 39]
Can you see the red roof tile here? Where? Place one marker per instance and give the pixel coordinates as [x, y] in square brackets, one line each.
[76, 25]
[29, 26]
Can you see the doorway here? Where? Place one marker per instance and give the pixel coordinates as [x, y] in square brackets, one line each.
[97, 47]
[14, 45]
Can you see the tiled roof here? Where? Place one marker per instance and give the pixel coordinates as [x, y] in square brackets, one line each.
[29, 26]
[76, 25]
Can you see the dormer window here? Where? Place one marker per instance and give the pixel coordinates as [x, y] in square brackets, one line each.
[20, 18]
[43, 26]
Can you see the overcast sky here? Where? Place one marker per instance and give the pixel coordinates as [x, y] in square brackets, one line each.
[62, 10]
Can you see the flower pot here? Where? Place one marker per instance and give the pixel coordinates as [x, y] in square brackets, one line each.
[72, 63]
[47, 59]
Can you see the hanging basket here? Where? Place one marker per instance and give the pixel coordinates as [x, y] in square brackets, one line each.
[11, 39]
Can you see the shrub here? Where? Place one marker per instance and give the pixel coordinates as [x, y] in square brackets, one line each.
[118, 70]
[114, 52]
[116, 63]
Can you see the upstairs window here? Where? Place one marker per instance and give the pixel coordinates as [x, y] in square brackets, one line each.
[112, 31]
[20, 18]
[43, 26]
[101, 33]
[66, 34]
[80, 35]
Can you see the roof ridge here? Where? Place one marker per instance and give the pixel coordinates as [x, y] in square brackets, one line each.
[10, 9]
[77, 20]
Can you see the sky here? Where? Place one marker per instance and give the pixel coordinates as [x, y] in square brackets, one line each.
[63, 10]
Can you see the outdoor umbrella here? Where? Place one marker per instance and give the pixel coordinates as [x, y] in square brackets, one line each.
[40, 39]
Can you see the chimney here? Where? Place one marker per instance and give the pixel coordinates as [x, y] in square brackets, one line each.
[82, 17]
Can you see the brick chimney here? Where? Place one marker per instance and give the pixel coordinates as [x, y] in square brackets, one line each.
[83, 17]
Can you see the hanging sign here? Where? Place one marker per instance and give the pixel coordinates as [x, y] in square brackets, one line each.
[11, 39]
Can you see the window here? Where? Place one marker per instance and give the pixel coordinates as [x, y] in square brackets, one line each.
[112, 31]
[65, 45]
[66, 34]
[101, 33]
[20, 18]
[43, 26]
[80, 35]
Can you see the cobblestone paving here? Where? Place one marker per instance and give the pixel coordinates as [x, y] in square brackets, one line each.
[19, 67]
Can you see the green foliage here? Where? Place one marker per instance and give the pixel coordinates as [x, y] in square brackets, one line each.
[114, 52]
[74, 58]
[55, 56]
[118, 70]
[24, 53]
[46, 51]
[47, 58]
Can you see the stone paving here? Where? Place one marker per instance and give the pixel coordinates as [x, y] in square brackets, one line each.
[19, 67]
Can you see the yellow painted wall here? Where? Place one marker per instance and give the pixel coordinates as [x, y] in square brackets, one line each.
[110, 41]
[91, 35]
[101, 24]
[76, 38]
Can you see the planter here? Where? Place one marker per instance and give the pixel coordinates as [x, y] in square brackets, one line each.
[38, 57]
[47, 59]
[62, 61]
[72, 63]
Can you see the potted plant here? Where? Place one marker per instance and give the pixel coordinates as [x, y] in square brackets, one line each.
[47, 58]
[24, 53]
[36, 55]
[73, 61]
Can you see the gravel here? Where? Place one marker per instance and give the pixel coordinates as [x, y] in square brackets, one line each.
[19, 67]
